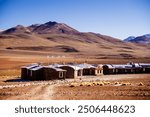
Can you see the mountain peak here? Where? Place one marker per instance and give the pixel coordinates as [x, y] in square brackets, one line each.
[129, 38]
[144, 39]
[51, 23]
[53, 27]
[19, 26]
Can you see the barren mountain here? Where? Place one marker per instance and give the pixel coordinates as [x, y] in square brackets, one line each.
[52, 27]
[17, 30]
[59, 38]
[145, 39]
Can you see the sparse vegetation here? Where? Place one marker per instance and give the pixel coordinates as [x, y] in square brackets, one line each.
[125, 89]
[141, 84]
[9, 73]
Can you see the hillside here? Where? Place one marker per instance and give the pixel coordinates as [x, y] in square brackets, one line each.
[59, 38]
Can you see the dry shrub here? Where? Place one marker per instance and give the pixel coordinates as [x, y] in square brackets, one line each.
[117, 83]
[73, 84]
[125, 83]
[81, 84]
[106, 83]
[140, 84]
[101, 84]
[94, 83]
[128, 83]
[89, 84]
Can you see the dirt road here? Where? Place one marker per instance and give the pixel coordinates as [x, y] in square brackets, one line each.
[48, 90]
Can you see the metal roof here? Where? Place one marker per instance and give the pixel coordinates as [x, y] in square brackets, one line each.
[85, 65]
[55, 65]
[30, 66]
[144, 65]
[36, 68]
[122, 66]
[119, 66]
[75, 67]
[109, 66]
[137, 65]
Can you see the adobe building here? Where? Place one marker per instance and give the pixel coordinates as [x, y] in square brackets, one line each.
[72, 71]
[57, 71]
[36, 73]
[145, 67]
[99, 70]
[51, 73]
[25, 71]
[108, 69]
[89, 69]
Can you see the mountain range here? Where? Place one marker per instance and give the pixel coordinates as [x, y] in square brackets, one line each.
[144, 39]
[59, 38]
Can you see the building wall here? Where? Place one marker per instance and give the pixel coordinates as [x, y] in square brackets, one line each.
[147, 70]
[89, 71]
[51, 74]
[36, 74]
[98, 71]
[79, 72]
[70, 72]
[106, 70]
[24, 73]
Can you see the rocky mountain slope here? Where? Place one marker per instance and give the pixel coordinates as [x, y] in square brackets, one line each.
[53, 37]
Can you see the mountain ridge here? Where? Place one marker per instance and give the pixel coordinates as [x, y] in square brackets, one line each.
[53, 37]
[144, 39]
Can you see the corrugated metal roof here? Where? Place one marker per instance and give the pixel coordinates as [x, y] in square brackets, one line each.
[30, 66]
[122, 66]
[36, 68]
[75, 67]
[85, 65]
[144, 65]
[55, 65]
[136, 65]
[119, 66]
[109, 66]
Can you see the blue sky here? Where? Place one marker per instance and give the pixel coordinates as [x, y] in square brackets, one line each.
[116, 18]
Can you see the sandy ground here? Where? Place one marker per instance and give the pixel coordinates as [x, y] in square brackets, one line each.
[120, 87]
[62, 90]
[12, 88]
[27, 91]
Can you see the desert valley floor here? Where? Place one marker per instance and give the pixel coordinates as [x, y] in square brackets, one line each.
[127, 86]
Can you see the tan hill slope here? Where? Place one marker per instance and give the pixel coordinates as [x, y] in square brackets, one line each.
[53, 37]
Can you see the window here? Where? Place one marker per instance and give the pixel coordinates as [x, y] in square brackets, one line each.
[60, 74]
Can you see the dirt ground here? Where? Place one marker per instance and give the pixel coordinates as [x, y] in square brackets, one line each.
[120, 87]
[13, 88]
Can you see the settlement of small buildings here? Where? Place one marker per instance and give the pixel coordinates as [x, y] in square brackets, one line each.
[60, 71]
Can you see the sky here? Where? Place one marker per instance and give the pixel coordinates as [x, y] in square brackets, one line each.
[116, 18]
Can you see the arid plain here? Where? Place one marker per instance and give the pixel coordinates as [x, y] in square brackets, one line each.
[54, 42]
